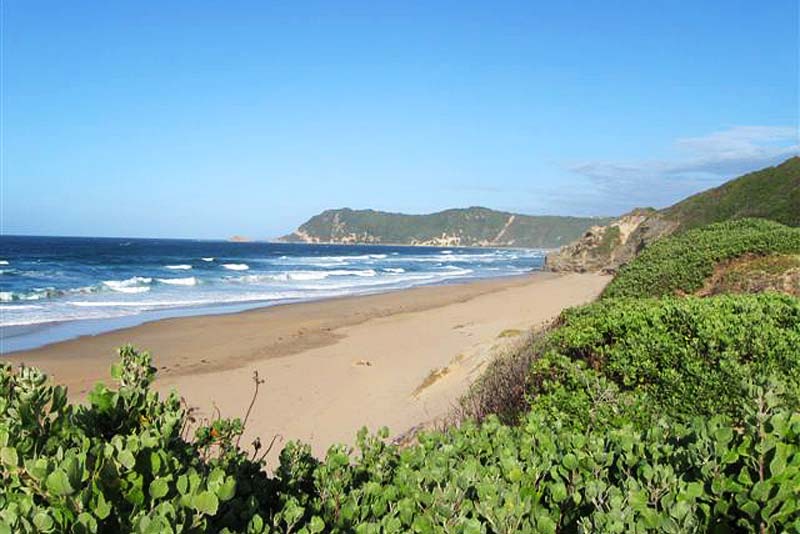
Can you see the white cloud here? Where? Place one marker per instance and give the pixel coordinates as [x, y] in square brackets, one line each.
[700, 162]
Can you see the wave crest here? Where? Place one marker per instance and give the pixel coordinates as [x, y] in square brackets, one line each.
[190, 281]
[236, 266]
[136, 284]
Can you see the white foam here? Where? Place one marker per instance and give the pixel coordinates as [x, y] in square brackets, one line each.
[3, 262]
[394, 269]
[183, 303]
[181, 267]
[6, 296]
[131, 285]
[207, 259]
[190, 281]
[447, 252]
[306, 275]
[236, 266]
[350, 272]
[315, 259]
[257, 278]
[139, 289]
[131, 303]
[14, 307]
[321, 275]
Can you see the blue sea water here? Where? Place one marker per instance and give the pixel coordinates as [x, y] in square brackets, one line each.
[55, 288]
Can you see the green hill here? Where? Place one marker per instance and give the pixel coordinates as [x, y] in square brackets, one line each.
[456, 227]
[772, 193]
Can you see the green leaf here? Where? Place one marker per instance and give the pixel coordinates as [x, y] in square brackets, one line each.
[316, 525]
[101, 508]
[472, 526]
[569, 461]
[545, 525]
[127, 459]
[86, 524]
[43, 522]
[215, 479]
[694, 489]
[9, 457]
[116, 371]
[558, 492]
[58, 484]
[206, 503]
[227, 490]
[158, 488]
[778, 463]
[256, 525]
[155, 463]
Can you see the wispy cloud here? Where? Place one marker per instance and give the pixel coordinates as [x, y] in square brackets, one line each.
[700, 162]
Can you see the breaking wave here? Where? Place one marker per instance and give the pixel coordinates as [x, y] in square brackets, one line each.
[190, 281]
[236, 266]
[136, 284]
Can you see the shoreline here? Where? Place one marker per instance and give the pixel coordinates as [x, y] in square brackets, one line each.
[81, 328]
[333, 365]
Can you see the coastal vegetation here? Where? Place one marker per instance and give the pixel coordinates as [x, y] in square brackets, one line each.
[672, 404]
[456, 227]
[640, 415]
[772, 193]
[684, 263]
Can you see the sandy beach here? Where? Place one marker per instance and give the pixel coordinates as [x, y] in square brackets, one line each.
[331, 366]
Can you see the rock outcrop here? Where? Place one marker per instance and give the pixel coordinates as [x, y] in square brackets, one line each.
[606, 248]
[772, 193]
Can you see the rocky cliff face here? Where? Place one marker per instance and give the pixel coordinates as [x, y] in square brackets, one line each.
[606, 248]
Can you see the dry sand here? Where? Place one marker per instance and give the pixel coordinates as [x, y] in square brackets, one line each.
[395, 359]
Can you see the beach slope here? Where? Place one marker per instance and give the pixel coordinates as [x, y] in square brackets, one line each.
[394, 359]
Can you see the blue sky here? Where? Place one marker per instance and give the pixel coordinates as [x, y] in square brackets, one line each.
[205, 119]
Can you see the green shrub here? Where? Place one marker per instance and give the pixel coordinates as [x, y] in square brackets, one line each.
[598, 450]
[682, 263]
[119, 464]
[690, 356]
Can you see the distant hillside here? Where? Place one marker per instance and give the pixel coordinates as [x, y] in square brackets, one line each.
[456, 227]
[772, 193]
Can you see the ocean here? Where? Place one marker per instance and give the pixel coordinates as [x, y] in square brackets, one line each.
[57, 288]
